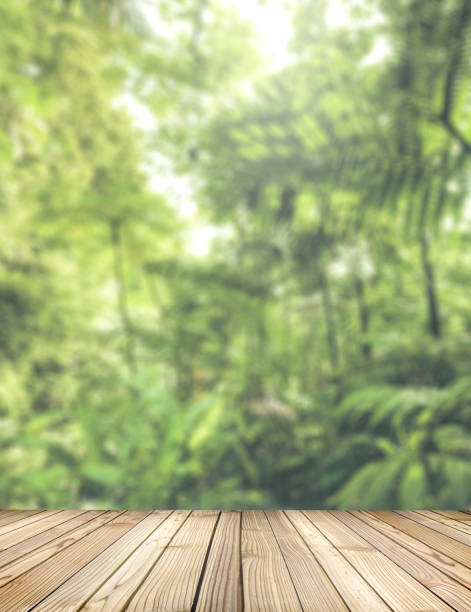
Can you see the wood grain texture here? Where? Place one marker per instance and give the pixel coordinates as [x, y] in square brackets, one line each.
[11, 516]
[12, 531]
[30, 588]
[26, 562]
[449, 566]
[45, 521]
[437, 581]
[441, 543]
[62, 525]
[315, 591]
[355, 591]
[220, 589]
[396, 587]
[433, 522]
[457, 515]
[171, 585]
[118, 589]
[264, 572]
[452, 519]
[229, 561]
[71, 595]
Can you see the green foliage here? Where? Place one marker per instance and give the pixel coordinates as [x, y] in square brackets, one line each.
[422, 437]
[315, 353]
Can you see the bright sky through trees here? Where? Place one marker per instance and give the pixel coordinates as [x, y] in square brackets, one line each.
[272, 23]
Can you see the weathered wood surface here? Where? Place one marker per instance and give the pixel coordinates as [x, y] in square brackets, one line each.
[232, 561]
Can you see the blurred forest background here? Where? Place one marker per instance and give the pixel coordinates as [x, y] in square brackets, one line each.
[235, 255]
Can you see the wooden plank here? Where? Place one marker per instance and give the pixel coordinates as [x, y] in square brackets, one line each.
[31, 544]
[452, 519]
[172, 582]
[26, 562]
[30, 588]
[395, 586]
[455, 594]
[432, 520]
[73, 593]
[10, 516]
[20, 524]
[8, 512]
[355, 591]
[315, 590]
[27, 546]
[44, 522]
[267, 584]
[118, 589]
[441, 543]
[456, 515]
[255, 560]
[460, 524]
[449, 566]
[220, 587]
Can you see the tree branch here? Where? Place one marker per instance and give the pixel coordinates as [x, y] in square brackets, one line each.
[454, 66]
[453, 131]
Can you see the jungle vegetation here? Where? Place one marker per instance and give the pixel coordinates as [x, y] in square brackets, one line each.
[314, 351]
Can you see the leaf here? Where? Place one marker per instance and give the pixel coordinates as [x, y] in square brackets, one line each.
[207, 426]
[104, 474]
[457, 474]
[372, 486]
[413, 487]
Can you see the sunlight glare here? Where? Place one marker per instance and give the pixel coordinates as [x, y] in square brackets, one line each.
[272, 24]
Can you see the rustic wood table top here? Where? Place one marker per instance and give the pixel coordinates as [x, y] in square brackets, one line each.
[229, 561]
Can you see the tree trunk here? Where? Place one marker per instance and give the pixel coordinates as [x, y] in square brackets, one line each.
[196, 33]
[330, 322]
[363, 316]
[122, 299]
[434, 323]
[184, 378]
[256, 349]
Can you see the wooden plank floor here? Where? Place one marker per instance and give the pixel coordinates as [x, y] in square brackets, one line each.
[230, 561]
